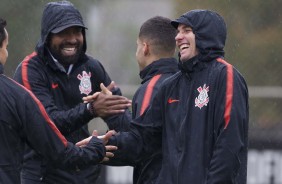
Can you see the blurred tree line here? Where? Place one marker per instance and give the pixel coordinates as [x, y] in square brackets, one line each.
[24, 18]
[253, 44]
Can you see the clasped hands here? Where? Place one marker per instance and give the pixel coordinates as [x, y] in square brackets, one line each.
[105, 138]
[105, 104]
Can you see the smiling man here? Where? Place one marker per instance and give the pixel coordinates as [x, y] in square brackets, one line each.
[60, 74]
[23, 119]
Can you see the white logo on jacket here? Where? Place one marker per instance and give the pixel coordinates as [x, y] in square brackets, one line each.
[85, 86]
[203, 98]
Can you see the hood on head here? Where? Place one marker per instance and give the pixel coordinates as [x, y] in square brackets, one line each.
[56, 17]
[209, 29]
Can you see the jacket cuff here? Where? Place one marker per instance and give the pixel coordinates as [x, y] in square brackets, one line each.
[91, 110]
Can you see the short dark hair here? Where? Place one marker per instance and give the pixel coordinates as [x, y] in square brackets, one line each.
[160, 33]
[3, 35]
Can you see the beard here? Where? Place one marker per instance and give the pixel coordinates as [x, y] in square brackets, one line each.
[66, 60]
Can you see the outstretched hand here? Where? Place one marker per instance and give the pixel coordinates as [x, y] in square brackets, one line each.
[105, 90]
[105, 138]
[105, 104]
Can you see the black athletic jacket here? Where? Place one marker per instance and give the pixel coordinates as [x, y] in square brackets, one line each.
[147, 170]
[199, 117]
[23, 119]
[61, 94]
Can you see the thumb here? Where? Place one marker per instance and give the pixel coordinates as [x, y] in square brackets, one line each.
[105, 90]
[107, 136]
[95, 133]
[111, 86]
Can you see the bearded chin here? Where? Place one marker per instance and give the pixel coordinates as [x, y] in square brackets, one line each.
[66, 60]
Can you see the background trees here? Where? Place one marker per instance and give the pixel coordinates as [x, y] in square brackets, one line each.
[254, 44]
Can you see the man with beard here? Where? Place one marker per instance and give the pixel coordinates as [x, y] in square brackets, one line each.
[60, 74]
[23, 119]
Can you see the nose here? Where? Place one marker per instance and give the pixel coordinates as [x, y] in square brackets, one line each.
[178, 36]
[71, 37]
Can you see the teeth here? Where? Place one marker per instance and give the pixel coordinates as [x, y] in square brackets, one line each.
[184, 46]
[68, 49]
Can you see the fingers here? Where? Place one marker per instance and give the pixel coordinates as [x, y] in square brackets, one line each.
[83, 142]
[107, 136]
[111, 86]
[110, 148]
[109, 154]
[90, 98]
[105, 159]
[106, 90]
[107, 105]
[114, 99]
[95, 133]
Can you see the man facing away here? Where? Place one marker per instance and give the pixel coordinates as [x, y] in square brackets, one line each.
[155, 57]
[199, 117]
[60, 74]
[23, 119]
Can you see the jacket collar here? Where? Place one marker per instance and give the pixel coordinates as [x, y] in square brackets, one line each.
[163, 65]
[191, 65]
[56, 66]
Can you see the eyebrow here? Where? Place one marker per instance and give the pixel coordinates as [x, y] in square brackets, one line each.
[186, 26]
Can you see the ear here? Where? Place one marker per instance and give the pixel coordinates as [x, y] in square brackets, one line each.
[146, 49]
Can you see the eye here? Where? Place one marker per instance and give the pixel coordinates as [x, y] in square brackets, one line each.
[187, 30]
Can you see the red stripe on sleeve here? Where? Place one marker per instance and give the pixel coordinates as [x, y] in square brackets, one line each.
[39, 104]
[148, 93]
[229, 91]
[24, 70]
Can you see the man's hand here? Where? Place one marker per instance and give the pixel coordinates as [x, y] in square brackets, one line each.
[105, 90]
[104, 104]
[109, 153]
[109, 148]
[105, 138]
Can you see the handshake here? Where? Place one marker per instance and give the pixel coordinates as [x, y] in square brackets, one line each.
[103, 104]
[105, 138]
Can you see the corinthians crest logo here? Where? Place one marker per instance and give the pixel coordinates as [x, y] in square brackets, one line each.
[85, 83]
[203, 98]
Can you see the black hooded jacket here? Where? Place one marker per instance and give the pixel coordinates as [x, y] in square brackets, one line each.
[147, 170]
[61, 93]
[23, 119]
[199, 117]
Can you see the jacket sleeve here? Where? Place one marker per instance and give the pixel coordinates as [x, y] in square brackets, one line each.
[143, 138]
[119, 122]
[67, 121]
[43, 136]
[229, 159]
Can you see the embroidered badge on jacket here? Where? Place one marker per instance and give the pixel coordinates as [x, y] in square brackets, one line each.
[85, 83]
[203, 98]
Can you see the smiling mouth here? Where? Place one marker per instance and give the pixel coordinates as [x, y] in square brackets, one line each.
[183, 46]
[69, 50]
